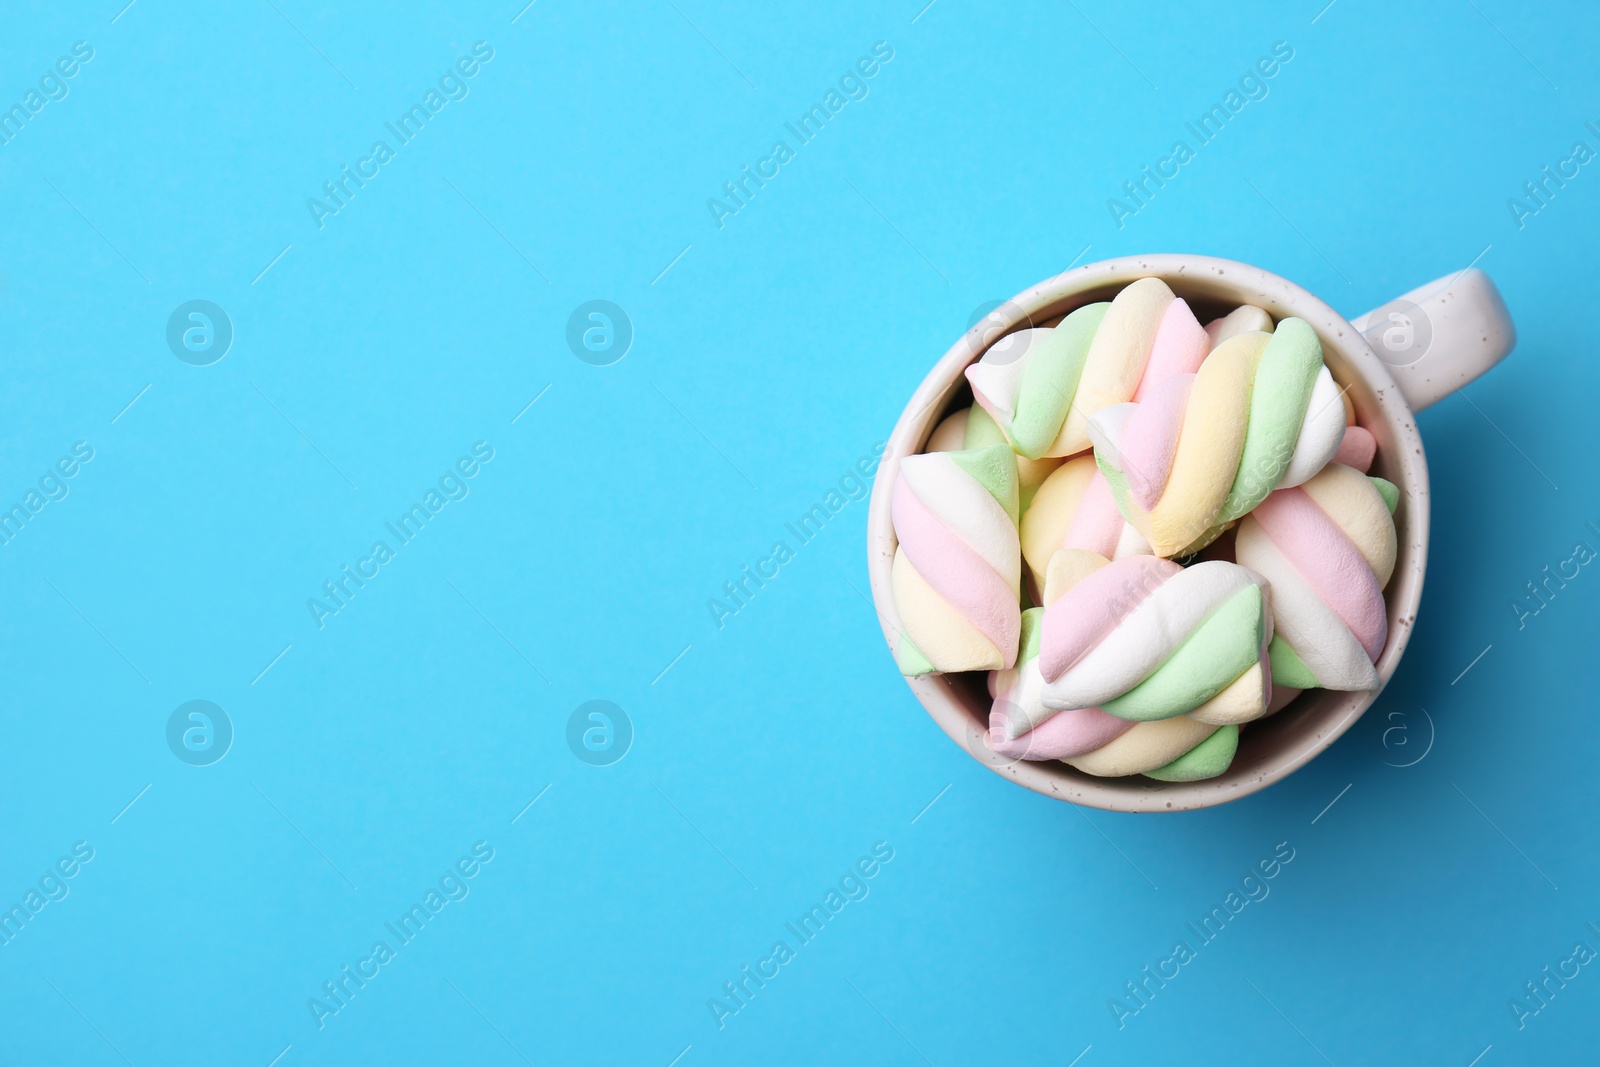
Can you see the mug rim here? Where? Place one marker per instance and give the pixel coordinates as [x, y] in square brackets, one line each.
[1316, 718]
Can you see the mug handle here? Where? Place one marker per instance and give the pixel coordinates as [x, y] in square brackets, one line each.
[1439, 337]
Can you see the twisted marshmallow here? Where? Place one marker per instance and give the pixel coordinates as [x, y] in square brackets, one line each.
[1328, 549]
[1202, 450]
[1144, 639]
[1178, 749]
[957, 567]
[1042, 384]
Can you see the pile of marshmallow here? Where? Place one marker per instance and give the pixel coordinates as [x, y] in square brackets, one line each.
[1220, 550]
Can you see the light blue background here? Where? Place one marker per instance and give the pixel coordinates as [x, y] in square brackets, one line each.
[773, 353]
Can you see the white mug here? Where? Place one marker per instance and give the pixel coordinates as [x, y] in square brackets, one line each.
[1395, 361]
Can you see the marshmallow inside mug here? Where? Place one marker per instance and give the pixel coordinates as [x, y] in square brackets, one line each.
[1269, 748]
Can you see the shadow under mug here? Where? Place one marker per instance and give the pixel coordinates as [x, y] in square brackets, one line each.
[1394, 361]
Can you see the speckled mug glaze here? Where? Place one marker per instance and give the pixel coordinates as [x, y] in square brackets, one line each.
[1468, 330]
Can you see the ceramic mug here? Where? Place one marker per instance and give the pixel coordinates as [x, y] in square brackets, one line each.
[1395, 361]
